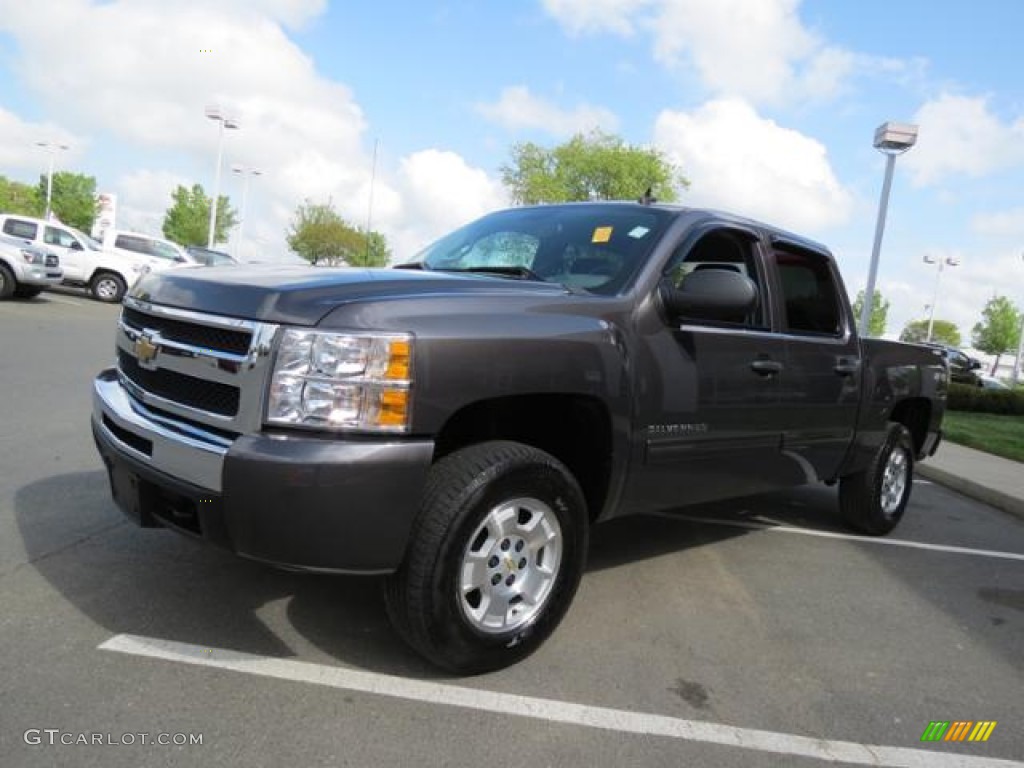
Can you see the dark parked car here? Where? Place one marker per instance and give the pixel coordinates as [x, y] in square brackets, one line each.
[460, 423]
[961, 367]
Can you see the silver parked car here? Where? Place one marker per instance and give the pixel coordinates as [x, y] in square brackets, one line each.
[26, 269]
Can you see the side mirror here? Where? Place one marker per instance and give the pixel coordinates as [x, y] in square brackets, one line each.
[711, 294]
[76, 246]
[975, 364]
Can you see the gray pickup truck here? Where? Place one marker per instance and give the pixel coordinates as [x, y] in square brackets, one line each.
[459, 422]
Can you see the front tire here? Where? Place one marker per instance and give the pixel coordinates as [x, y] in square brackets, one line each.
[7, 282]
[494, 558]
[107, 287]
[873, 501]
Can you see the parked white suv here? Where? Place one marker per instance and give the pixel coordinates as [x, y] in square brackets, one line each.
[26, 269]
[147, 245]
[105, 272]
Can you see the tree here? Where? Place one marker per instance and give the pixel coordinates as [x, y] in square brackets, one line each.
[596, 166]
[72, 198]
[187, 221]
[16, 197]
[999, 329]
[879, 313]
[320, 235]
[943, 332]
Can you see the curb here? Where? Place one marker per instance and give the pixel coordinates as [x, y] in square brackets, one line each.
[1004, 501]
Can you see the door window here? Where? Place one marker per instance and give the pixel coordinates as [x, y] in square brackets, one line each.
[55, 236]
[724, 249]
[809, 294]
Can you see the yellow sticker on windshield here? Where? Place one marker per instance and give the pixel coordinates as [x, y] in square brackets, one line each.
[602, 235]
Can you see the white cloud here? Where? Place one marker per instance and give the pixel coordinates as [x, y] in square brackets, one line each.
[19, 139]
[143, 197]
[143, 71]
[1008, 223]
[439, 191]
[744, 163]
[759, 50]
[960, 135]
[619, 16]
[518, 108]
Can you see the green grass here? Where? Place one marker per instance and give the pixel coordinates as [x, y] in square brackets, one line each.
[989, 432]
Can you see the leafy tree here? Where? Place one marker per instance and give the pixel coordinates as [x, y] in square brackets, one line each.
[943, 332]
[72, 198]
[595, 166]
[320, 235]
[879, 313]
[16, 197]
[999, 329]
[187, 221]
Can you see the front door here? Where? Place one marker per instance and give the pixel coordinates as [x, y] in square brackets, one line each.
[71, 252]
[708, 419]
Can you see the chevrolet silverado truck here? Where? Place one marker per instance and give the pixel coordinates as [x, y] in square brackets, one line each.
[459, 422]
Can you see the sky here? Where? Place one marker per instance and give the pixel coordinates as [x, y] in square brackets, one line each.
[402, 113]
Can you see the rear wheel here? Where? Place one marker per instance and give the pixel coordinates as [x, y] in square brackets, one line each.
[873, 501]
[7, 282]
[494, 559]
[108, 287]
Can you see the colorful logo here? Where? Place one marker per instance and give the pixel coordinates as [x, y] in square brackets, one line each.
[958, 730]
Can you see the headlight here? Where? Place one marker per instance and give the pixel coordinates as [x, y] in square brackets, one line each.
[33, 257]
[342, 381]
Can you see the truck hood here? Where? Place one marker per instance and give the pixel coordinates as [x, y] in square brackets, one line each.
[301, 295]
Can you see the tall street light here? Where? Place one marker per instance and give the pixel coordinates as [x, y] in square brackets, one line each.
[891, 139]
[51, 148]
[223, 121]
[1020, 346]
[246, 174]
[951, 261]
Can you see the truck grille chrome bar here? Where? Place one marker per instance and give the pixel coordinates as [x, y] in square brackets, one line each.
[207, 370]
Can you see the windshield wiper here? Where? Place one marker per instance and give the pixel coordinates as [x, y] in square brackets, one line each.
[522, 273]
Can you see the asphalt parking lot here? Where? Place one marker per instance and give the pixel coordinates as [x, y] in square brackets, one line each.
[755, 633]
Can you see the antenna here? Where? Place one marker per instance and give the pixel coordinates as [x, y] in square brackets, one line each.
[647, 198]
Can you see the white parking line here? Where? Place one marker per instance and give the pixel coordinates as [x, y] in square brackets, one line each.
[551, 710]
[767, 524]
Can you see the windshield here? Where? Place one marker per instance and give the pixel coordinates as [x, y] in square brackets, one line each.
[597, 248]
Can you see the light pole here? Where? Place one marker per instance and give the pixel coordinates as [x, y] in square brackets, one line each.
[1020, 346]
[51, 148]
[215, 113]
[246, 174]
[891, 139]
[942, 262]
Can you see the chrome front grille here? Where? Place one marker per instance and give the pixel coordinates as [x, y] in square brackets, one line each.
[206, 370]
[232, 341]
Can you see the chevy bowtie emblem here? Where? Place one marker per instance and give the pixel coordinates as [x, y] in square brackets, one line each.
[145, 350]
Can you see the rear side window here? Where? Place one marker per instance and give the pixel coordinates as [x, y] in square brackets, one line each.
[809, 293]
[129, 243]
[23, 229]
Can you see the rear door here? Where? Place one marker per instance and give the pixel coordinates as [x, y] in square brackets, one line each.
[820, 385]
